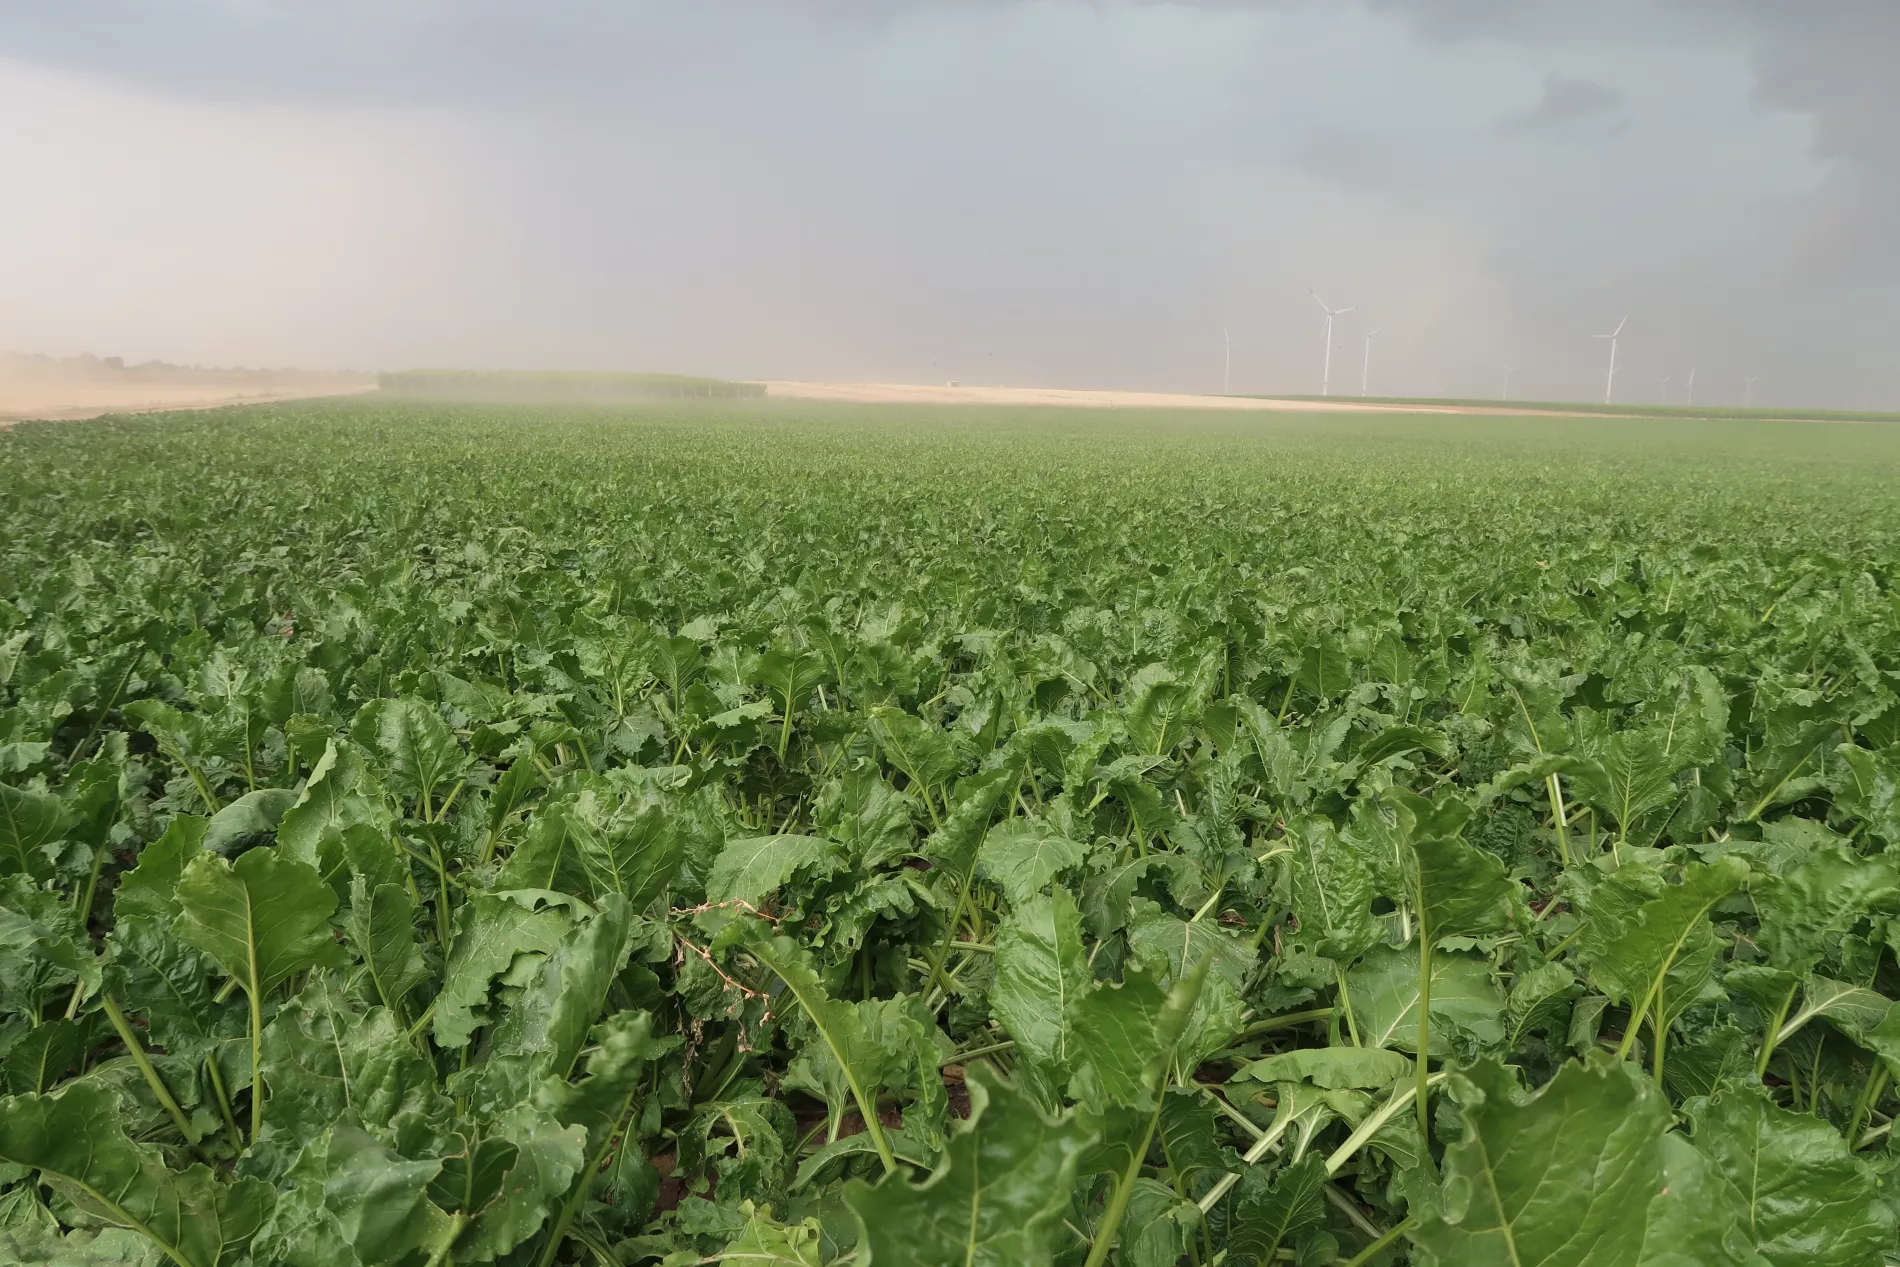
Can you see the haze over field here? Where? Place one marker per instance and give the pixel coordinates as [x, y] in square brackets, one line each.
[1037, 193]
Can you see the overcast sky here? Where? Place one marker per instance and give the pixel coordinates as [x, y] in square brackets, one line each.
[1049, 192]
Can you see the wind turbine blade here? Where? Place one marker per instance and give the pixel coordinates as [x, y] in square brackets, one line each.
[1619, 327]
[1320, 302]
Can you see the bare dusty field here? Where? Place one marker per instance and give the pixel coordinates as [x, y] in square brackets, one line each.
[25, 399]
[969, 394]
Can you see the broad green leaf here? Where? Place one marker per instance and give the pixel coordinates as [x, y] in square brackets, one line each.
[523, 1167]
[927, 756]
[997, 1198]
[1333, 892]
[1160, 1228]
[750, 869]
[623, 1047]
[1540, 998]
[1561, 1178]
[1189, 1136]
[253, 814]
[1697, 1220]
[1631, 956]
[420, 752]
[42, 946]
[1823, 896]
[547, 1025]
[891, 1044]
[1632, 781]
[472, 1177]
[30, 823]
[490, 931]
[1041, 968]
[1268, 1218]
[869, 817]
[381, 930]
[1333, 1068]
[41, 1057]
[323, 1058]
[261, 918]
[1805, 1199]
[338, 796]
[1464, 891]
[1155, 700]
[148, 891]
[1022, 855]
[173, 987]
[1465, 1000]
[979, 797]
[1853, 1009]
[1115, 1027]
[351, 1193]
[627, 848]
[76, 1141]
[764, 1243]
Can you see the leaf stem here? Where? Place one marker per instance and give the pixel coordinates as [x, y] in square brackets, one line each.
[1869, 1096]
[1424, 1033]
[1377, 1247]
[224, 1102]
[867, 1103]
[950, 933]
[1557, 816]
[1376, 1122]
[1345, 1004]
[444, 1248]
[572, 1205]
[1772, 1035]
[1105, 1232]
[136, 1050]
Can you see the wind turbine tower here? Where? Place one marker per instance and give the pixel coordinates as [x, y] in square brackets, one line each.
[1748, 391]
[1326, 375]
[1227, 374]
[1691, 386]
[1365, 371]
[1609, 383]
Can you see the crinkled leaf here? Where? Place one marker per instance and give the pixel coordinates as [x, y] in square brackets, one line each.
[997, 1198]
[747, 870]
[76, 1140]
[1805, 1198]
[1023, 855]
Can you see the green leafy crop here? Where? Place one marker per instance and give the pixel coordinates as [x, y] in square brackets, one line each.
[738, 832]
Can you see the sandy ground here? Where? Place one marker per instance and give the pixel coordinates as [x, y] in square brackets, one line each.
[964, 394]
[51, 398]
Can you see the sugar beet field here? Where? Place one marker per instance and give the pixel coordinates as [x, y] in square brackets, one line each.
[733, 831]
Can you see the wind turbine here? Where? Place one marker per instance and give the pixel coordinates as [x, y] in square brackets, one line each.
[1365, 371]
[1667, 379]
[1227, 374]
[1326, 375]
[1609, 384]
[1748, 391]
[1691, 386]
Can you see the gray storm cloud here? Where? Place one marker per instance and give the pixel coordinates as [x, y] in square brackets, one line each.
[1030, 191]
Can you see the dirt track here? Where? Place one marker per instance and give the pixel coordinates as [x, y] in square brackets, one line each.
[21, 401]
